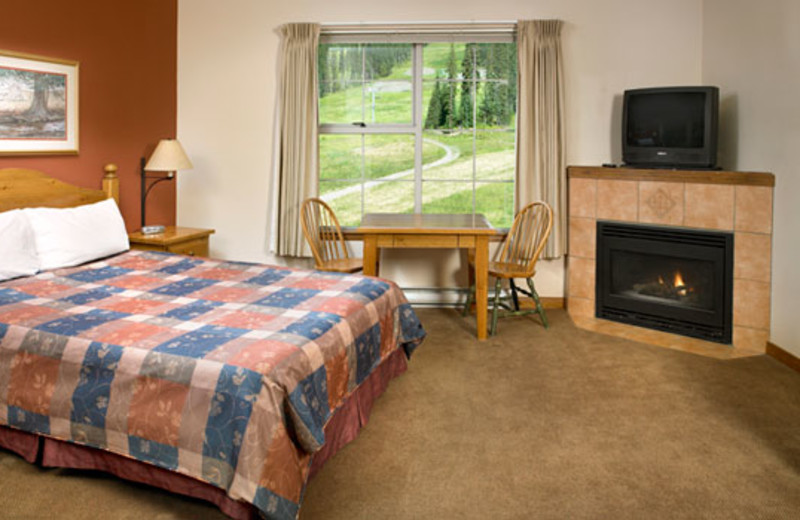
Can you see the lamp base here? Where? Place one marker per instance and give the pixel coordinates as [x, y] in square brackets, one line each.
[152, 230]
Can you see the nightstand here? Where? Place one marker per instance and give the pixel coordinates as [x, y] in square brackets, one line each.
[179, 240]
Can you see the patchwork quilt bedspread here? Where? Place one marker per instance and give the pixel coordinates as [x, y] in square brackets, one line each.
[223, 371]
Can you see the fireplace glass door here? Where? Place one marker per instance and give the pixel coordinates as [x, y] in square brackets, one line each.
[670, 279]
[663, 280]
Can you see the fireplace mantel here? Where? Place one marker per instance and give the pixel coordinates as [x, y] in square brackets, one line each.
[737, 202]
[662, 175]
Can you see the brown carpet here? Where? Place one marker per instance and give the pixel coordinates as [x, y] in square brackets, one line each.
[536, 424]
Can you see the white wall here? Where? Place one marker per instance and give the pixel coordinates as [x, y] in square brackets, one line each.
[226, 95]
[752, 51]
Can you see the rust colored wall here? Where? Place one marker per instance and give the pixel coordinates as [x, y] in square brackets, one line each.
[127, 86]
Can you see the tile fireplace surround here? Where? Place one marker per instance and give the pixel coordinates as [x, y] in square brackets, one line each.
[737, 202]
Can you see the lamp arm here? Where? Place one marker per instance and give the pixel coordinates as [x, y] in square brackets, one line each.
[156, 181]
[146, 189]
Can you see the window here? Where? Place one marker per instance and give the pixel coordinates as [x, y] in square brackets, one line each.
[418, 128]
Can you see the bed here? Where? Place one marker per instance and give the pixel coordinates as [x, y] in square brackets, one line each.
[228, 381]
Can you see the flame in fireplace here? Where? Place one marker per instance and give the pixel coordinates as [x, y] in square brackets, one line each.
[679, 284]
[669, 286]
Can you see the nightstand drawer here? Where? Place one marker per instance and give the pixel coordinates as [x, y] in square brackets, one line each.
[197, 247]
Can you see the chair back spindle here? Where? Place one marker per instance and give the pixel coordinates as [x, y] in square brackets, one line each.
[324, 236]
[526, 238]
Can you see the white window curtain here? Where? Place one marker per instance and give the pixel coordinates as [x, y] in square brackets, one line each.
[297, 161]
[541, 152]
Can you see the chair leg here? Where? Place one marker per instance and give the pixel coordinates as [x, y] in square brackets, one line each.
[470, 299]
[470, 283]
[514, 295]
[497, 289]
[539, 308]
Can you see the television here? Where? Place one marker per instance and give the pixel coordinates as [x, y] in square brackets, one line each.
[670, 127]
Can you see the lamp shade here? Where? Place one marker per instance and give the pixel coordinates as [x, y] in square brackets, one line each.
[168, 157]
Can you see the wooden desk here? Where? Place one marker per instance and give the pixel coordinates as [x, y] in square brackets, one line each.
[393, 230]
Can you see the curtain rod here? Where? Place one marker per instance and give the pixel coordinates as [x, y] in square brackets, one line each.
[418, 27]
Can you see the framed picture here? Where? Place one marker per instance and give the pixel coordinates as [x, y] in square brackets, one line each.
[38, 105]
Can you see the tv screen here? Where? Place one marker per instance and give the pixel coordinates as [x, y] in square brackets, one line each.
[669, 119]
[670, 127]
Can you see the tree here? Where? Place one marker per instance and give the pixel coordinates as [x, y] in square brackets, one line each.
[449, 116]
[323, 72]
[381, 59]
[352, 65]
[466, 101]
[498, 104]
[511, 49]
[434, 116]
[43, 85]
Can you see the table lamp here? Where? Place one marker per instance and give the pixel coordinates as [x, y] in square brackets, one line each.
[168, 157]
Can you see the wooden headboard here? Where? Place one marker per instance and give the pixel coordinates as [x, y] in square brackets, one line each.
[21, 188]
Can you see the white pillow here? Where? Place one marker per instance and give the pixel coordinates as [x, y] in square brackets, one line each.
[72, 236]
[17, 246]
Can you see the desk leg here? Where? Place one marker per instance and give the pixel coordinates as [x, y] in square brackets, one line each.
[481, 283]
[370, 255]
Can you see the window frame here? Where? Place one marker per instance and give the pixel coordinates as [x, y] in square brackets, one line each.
[417, 35]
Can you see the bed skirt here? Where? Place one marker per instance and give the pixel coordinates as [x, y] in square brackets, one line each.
[343, 427]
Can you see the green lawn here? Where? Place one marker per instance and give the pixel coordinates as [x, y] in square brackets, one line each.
[340, 156]
[495, 201]
[449, 193]
[484, 142]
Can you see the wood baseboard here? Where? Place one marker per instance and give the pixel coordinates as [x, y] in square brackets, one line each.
[548, 302]
[787, 358]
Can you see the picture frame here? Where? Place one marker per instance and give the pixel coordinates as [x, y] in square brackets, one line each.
[38, 105]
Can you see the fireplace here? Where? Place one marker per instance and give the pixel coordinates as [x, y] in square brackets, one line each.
[672, 279]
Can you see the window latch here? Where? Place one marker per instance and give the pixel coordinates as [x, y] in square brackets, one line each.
[362, 124]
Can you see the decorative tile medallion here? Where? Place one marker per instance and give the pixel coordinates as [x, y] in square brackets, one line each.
[660, 202]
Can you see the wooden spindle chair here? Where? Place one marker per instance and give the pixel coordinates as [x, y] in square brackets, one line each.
[516, 258]
[324, 236]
